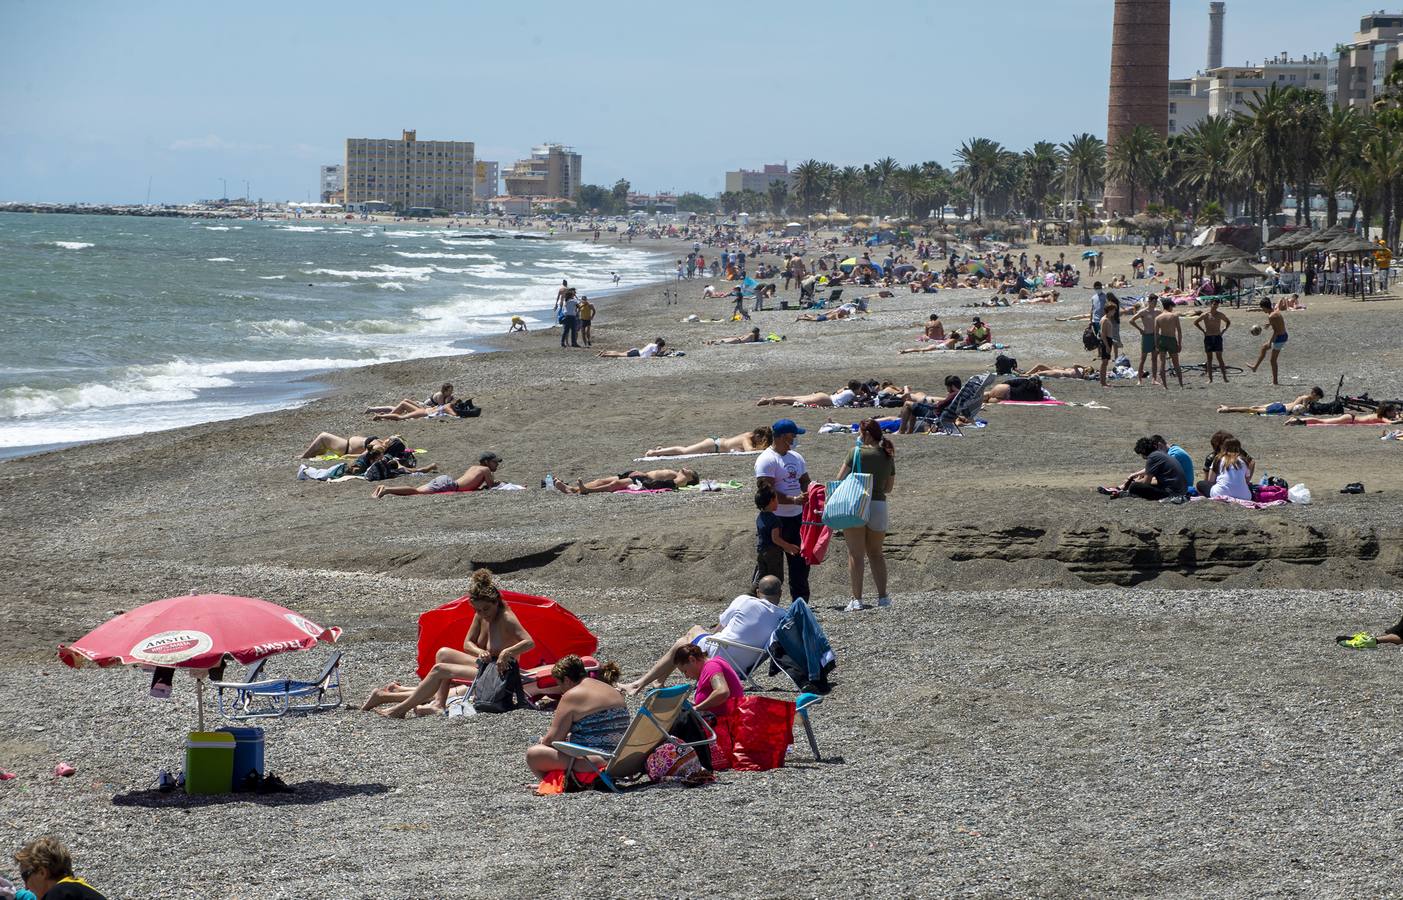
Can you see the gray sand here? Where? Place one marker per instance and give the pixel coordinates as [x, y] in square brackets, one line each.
[1023, 722]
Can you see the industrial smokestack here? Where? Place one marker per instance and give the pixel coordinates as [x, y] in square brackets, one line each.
[1139, 80]
[1215, 34]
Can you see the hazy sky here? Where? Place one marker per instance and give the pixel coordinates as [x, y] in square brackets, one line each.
[98, 97]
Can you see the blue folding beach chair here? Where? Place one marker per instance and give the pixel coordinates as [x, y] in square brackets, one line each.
[271, 698]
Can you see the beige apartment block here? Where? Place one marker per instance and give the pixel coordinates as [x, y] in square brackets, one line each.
[552, 170]
[409, 173]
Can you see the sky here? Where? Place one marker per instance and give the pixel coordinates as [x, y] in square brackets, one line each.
[102, 102]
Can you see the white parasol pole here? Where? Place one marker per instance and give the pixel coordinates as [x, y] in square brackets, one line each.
[200, 692]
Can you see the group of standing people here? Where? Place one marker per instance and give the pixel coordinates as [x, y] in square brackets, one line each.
[783, 481]
[576, 314]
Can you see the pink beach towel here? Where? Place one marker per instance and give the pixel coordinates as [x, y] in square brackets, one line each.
[1051, 401]
[1245, 504]
[1342, 424]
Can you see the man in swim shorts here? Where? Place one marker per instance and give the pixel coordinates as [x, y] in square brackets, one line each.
[1144, 322]
[1168, 337]
[476, 478]
[1214, 325]
[1277, 320]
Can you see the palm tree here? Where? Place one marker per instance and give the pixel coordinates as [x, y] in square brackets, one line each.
[811, 183]
[883, 171]
[778, 193]
[1340, 136]
[1136, 161]
[1263, 151]
[847, 187]
[1041, 163]
[981, 162]
[913, 186]
[1083, 165]
[1382, 156]
[1207, 158]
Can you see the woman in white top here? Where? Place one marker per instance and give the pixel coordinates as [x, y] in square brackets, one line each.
[1230, 473]
[845, 397]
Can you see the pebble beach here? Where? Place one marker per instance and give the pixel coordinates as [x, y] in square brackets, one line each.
[1072, 695]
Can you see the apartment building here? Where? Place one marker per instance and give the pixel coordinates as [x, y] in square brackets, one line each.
[410, 173]
[1188, 102]
[333, 182]
[552, 170]
[748, 180]
[1358, 69]
[1232, 88]
[485, 181]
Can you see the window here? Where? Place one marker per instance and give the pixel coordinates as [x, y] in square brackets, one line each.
[1173, 108]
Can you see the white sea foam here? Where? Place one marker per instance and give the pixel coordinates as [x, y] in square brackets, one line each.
[415, 273]
[390, 285]
[72, 245]
[299, 228]
[216, 228]
[432, 255]
[272, 277]
[219, 259]
[463, 243]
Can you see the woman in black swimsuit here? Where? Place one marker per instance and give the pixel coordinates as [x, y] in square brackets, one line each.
[656, 480]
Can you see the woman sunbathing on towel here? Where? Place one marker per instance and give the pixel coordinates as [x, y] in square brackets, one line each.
[457, 409]
[749, 442]
[655, 480]
[1060, 371]
[848, 396]
[847, 310]
[949, 343]
[1020, 390]
[496, 635]
[326, 443]
[438, 398]
[1386, 414]
[752, 338]
[657, 348]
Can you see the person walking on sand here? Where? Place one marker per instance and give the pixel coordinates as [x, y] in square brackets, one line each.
[1144, 322]
[783, 470]
[1214, 324]
[1098, 307]
[1277, 320]
[570, 320]
[586, 314]
[1169, 336]
[738, 294]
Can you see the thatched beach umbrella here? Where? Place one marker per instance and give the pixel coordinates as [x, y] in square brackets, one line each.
[1240, 269]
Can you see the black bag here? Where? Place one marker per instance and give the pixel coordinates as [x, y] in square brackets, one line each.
[381, 469]
[1089, 340]
[1326, 408]
[1004, 365]
[494, 692]
[464, 409]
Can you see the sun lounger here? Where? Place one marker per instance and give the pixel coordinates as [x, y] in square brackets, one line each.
[965, 405]
[271, 698]
[662, 709]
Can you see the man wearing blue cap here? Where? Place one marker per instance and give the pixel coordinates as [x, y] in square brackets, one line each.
[780, 468]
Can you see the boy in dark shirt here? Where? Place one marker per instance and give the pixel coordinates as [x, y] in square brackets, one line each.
[1162, 476]
[770, 545]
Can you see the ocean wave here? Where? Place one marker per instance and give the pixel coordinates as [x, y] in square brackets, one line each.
[299, 328]
[219, 259]
[216, 228]
[414, 273]
[299, 228]
[72, 245]
[434, 255]
[390, 285]
[272, 277]
[468, 243]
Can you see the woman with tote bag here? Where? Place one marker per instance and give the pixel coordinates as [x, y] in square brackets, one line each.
[875, 457]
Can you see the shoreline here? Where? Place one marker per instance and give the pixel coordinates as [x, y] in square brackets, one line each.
[310, 385]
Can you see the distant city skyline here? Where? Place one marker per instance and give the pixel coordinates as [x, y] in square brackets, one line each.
[101, 99]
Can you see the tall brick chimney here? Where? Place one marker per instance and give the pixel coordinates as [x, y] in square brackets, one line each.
[1139, 80]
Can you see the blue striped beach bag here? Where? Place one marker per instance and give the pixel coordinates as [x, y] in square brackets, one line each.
[850, 500]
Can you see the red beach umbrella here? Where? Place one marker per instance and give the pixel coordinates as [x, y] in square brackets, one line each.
[555, 630]
[195, 632]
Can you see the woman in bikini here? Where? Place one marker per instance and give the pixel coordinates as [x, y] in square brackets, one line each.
[656, 480]
[847, 396]
[455, 409]
[591, 712]
[1386, 414]
[748, 442]
[328, 443]
[440, 397]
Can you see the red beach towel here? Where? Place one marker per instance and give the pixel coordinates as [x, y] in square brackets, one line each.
[813, 534]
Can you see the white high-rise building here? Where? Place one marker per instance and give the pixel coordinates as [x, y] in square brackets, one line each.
[333, 182]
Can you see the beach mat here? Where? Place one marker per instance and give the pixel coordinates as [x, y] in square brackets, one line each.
[699, 456]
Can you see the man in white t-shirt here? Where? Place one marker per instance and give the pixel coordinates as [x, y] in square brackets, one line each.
[782, 469]
[748, 620]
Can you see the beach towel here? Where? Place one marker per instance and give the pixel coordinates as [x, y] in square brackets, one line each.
[1047, 401]
[646, 491]
[1341, 424]
[709, 485]
[507, 486]
[700, 455]
[813, 534]
[1245, 504]
[978, 423]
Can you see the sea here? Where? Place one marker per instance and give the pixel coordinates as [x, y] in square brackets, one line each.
[118, 325]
